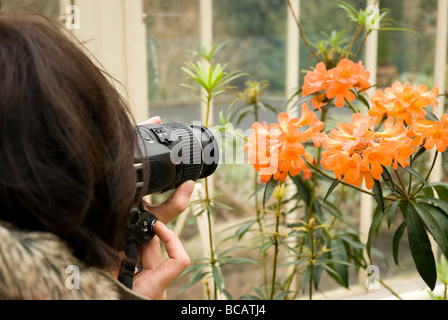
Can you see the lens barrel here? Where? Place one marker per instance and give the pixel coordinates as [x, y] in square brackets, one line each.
[174, 154]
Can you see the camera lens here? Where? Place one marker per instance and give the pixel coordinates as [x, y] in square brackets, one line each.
[174, 154]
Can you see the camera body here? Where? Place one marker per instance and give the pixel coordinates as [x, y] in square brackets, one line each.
[167, 155]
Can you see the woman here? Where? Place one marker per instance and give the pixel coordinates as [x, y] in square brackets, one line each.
[67, 181]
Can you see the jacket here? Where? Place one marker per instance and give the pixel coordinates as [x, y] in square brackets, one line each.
[40, 266]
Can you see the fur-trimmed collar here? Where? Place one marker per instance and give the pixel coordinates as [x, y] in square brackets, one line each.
[39, 266]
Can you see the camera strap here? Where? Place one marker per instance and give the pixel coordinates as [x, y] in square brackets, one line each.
[128, 265]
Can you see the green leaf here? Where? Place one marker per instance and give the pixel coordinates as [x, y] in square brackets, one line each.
[221, 118]
[445, 159]
[211, 210]
[378, 191]
[377, 218]
[217, 277]
[428, 191]
[243, 229]
[387, 178]
[194, 279]
[392, 210]
[227, 294]
[265, 246]
[416, 174]
[237, 260]
[436, 222]
[442, 191]
[304, 191]
[421, 248]
[419, 153]
[431, 116]
[338, 253]
[306, 277]
[269, 189]
[331, 188]
[442, 204]
[396, 241]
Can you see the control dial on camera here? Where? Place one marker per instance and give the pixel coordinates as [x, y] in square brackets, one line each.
[140, 226]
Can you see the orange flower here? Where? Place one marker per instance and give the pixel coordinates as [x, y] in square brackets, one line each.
[351, 73]
[431, 133]
[315, 80]
[277, 150]
[356, 153]
[340, 91]
[262, 150]
[338, 82]
[403, 102]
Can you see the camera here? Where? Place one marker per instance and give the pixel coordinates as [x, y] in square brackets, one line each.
[166, 156]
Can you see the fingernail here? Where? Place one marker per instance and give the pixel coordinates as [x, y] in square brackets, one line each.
[155, 119]
[188, 188]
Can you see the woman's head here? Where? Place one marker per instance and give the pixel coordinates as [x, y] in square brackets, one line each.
[66, 141]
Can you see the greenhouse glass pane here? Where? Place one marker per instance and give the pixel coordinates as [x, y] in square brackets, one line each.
[402, 55]
[51, 7]
[173, 33]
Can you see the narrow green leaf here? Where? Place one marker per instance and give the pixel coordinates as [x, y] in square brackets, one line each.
[332, 273]
[442, 191]
[387, 178]
[306, 278]
[377, 219]
[250, 297]
[378, 191]
[436, 222]
[331, 188]
[265, 246]
[338, 253]
[192, 281]
[431, 116]
[396, 241]
[392, 210]
[421, 248]
[281, 295]
[237, 260]
[211, 210]
[227, 294]
[270, 187]
[445, 159]
[318, 270]
[416, 174]
[243, 229]
[217, 277]
[428, 191]
[419, 153]
[221, 118]
[442, 204]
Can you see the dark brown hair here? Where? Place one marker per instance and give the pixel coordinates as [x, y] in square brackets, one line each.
[66, 141]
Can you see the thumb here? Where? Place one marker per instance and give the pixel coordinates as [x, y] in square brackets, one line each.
[175, 205]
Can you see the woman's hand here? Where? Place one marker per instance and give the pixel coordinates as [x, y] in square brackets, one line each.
[157, 275]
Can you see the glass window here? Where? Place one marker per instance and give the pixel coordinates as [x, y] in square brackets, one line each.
[51, 7]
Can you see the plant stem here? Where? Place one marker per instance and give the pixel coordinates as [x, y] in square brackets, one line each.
[276, 250]
[351, 106]
[403, 187]
[302, 34]
[259, 220]
[361, 45]
[345, 183]
[364, 266]
[311, 264]
[427, 176]
[207, 201]
[352, 44]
